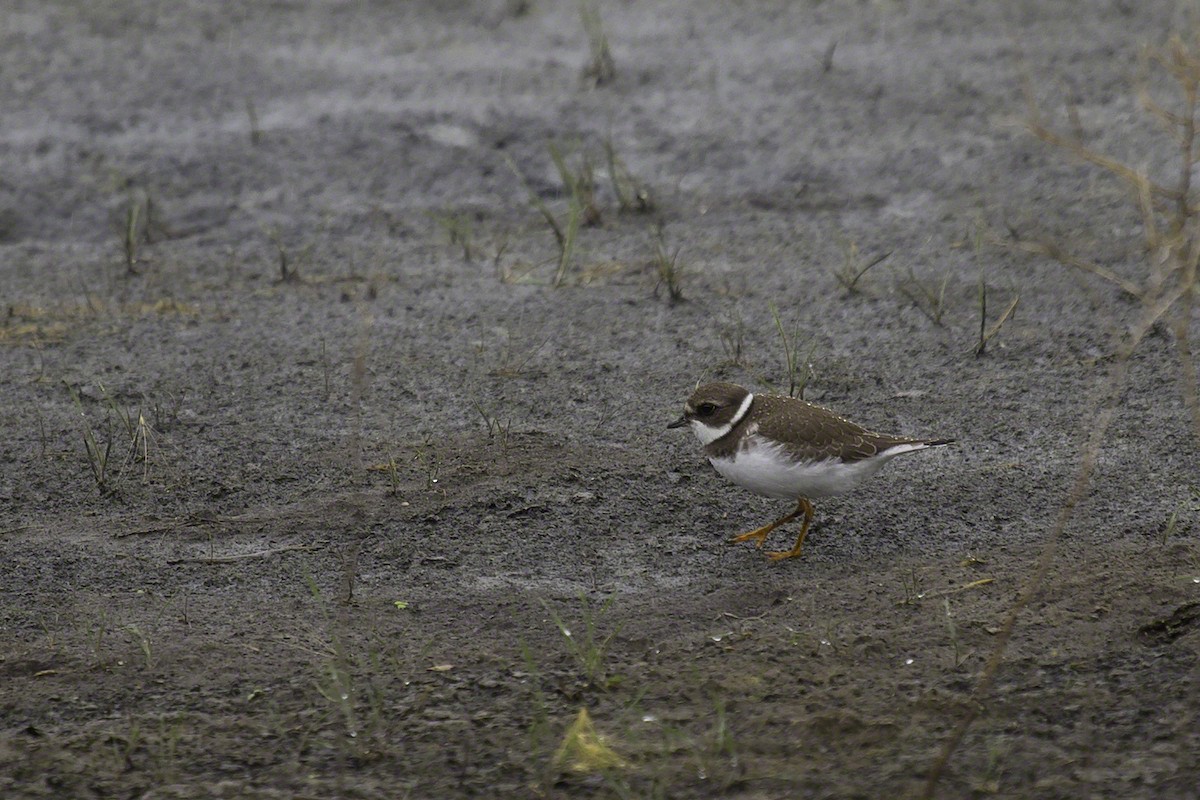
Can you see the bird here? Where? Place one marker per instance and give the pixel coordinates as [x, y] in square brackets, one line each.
[787, 449]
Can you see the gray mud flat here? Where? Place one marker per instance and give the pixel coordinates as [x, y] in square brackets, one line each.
[303, 486]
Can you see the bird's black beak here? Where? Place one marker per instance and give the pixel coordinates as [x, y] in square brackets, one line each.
[679, 423]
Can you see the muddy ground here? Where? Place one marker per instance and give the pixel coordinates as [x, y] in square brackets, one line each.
[303, 485]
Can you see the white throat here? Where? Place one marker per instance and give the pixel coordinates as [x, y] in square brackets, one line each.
[707, 434]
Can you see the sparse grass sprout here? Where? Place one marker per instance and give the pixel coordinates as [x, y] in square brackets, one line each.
[666, 265]
[586, 644]
[851, 270]
[632, 195]
[798, 370]
[928, 298]
[601, 68]
[458, 231]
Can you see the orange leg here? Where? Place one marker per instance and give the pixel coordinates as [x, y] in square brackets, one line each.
[807, 508]
[759, 535]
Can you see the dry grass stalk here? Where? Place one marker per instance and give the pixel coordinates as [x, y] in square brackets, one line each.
[1168, 292]
[1169, 210]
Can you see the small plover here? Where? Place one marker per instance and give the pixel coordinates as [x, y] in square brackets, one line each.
[786, 448]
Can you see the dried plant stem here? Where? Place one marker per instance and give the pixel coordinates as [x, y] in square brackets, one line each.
[536, 201]
[1187, 364]
[1057, 253]
[984, 338]
[1100, 421]
[1171, 226]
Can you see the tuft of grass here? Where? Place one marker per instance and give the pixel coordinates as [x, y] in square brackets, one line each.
[287, 272]
[987, 334]
[99, 443]
[711, 755]
[927, 298]
[577, 175]
[516, 355]
[496, 430]
[426, 458]
[124, 748]
[914, 588]
[503, 272]
[579, 187]
[143, 642]
[98, 457]
[393, 473]
[797, 369]
[586, 645]
[574, 214]
[335, 682]
[632, 195]
[130, 238]
[979, 235]
[458, 231]
[138, 432]
[538, 203]
[135, 229]
[731, 330]
[716, 755]
[344, 680]
[666, 265]
[990, 780]
[722, 736]
[578, 184]
[852, 269]
[600, 69]
[539, 724]
[96, 634]
[1169, 529]
[164, 748]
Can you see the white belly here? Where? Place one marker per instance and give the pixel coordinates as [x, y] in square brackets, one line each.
[765, 469]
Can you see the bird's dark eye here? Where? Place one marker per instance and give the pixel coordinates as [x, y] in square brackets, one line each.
[704, 409]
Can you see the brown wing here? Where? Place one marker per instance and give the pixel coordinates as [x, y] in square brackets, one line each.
[824, 434]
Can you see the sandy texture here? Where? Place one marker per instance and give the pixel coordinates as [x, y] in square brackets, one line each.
[347, 517]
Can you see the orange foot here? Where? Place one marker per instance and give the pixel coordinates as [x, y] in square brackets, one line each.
[807, 508]
[759, 535]
[780, 555]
